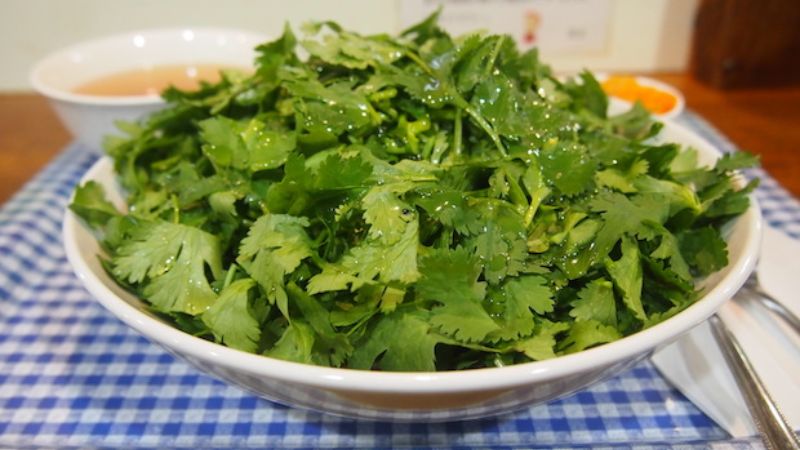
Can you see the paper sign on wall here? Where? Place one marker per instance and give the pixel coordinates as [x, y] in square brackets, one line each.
[555, 26]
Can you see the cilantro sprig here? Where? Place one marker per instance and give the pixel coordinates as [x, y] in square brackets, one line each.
[418, 202]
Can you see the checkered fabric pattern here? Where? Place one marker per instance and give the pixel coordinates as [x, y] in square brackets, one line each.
[72, 375]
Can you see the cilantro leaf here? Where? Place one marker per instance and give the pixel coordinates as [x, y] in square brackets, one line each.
[174, 258]
[596, 302]
[589, 95]
[275, 246]
[542, 345]
[521, 297]
[568, 168]
[622, 215]
[339, 172]
[635, 124]
[224, 145]
[622, 181]
[679, 196]
[588, 333]
[470, 67]
[291, 194]
[275, 54]
[268, 149]
[669, 249]
[91, 205]
[736, 161]
[386, 213]
[704, 249]
[731, 203]
[510, 110]
[626, 272]
[450, 280]
[501, 245]
[230, 317]
[295, 344]
[350, 49]
[335, 347]
[399, 341]
[247, 146]
[452, 210]
[370, 261]
[330, 109]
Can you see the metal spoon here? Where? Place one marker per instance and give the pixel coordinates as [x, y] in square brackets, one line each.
[776, 432]
[776, 268]
[780, 310]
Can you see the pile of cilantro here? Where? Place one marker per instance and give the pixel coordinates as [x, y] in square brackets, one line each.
[410, 203]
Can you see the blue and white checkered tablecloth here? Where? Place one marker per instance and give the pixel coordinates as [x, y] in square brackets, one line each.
[72, 375]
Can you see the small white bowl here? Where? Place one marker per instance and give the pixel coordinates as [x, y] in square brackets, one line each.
[90, 117]
[413, 396]
[618, 105]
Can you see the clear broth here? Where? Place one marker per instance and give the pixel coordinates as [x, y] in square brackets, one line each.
[153, 81]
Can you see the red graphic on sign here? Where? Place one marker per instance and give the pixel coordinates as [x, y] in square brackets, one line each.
[532, 22]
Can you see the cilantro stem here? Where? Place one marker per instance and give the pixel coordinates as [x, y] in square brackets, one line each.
[515, 192]
[496, 202]
[457, 131]
[487, 127]
[493, 56]
[418, 61]
[229, 276]
[536, 199]
[361, 323]
[176, 209]
[460, 102]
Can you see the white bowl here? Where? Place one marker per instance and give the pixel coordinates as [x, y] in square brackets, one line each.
[618, 105]
[421, 396]
[90, 117]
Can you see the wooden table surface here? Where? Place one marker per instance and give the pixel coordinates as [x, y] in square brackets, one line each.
[763, 121]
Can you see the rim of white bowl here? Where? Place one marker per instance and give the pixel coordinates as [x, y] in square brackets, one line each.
[120, 100]
[426, 382]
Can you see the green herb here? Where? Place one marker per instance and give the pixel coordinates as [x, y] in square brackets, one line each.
[419, 202]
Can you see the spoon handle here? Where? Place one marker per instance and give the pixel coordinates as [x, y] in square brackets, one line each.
[780, 310]
[776, 433]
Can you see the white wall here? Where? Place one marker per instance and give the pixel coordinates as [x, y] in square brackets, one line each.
[645, 35]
